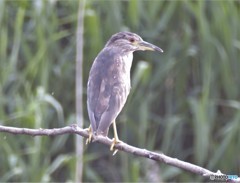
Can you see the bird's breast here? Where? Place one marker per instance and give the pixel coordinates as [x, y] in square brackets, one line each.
[122, 68]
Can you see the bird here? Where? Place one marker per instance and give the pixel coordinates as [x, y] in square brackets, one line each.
[109, 82]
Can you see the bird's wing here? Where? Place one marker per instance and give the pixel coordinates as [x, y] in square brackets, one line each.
[116, 100]
[96, 100]
[106, 94]
[104, 102]
[98, 90]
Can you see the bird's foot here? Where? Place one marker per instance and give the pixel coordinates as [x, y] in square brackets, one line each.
[89, 139]
[115, 141]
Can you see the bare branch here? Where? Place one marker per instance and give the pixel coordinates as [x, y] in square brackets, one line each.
[74, 129]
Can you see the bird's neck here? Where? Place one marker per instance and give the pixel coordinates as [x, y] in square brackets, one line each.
[126, 62]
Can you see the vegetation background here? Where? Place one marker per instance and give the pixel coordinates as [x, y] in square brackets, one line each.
[184, 102]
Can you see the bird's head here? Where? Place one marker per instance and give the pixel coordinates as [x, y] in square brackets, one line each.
[130, 42]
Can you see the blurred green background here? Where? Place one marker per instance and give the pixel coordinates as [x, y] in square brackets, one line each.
[184, 102]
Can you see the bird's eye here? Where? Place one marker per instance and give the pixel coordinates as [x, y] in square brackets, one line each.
[132, 40]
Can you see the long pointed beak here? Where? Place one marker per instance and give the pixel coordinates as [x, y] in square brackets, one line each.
[143, 45]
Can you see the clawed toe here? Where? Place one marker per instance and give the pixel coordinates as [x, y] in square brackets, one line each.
[89, 139]
[115, 141]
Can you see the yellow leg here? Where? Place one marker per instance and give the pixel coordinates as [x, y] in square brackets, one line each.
[89, 139]
[115, 139]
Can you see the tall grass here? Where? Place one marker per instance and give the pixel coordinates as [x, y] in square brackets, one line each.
[184, 102]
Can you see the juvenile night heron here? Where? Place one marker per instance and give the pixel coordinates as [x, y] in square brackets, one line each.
[109, 82]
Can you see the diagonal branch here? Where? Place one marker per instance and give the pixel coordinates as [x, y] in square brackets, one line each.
[74, 129]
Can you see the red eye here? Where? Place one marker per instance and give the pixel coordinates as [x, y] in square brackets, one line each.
[132, 40]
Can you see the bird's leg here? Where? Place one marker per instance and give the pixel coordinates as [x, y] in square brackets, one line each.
[115, 139]
[89, 139]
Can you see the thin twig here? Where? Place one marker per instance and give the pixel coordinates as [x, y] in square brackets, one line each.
[74, 129]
